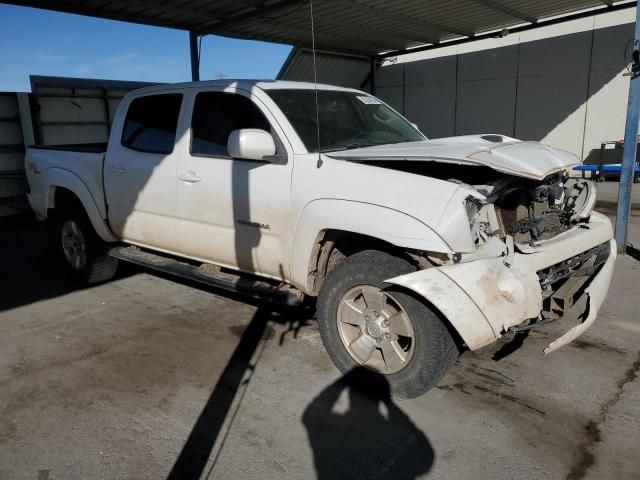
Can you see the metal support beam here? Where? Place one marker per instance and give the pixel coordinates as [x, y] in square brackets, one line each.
[195, 56]
[630, 145]
[26, 122]
[372, 75]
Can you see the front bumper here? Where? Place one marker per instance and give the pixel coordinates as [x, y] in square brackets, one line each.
[484, 298]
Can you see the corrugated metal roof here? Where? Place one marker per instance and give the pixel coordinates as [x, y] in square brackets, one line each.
[366, 27]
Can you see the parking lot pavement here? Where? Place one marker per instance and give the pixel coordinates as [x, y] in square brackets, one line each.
[144, 377]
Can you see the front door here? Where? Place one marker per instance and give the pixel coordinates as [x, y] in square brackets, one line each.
[233, 212]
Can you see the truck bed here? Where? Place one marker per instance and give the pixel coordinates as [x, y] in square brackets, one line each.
[76, 167]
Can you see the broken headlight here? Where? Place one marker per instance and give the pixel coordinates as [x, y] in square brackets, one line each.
[482, 219]
[581, 198]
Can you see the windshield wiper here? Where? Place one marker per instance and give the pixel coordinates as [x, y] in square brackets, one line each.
[351, 146]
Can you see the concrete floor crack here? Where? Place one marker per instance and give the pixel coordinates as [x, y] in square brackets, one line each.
[586, 457]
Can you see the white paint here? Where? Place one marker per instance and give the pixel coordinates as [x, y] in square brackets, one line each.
[524, 159]
[477, 284]
[265, 217]
[250, 144]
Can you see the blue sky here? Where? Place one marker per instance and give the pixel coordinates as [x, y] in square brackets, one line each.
[40, 42]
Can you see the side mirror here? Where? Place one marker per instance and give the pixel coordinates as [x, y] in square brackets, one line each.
[251, 144]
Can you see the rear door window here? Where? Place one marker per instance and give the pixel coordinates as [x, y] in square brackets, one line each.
[151, 123]
[216, 115]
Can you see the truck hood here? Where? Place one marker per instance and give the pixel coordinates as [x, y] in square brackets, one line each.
[503, 154]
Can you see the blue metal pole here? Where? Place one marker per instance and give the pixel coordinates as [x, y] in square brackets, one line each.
[630, 145]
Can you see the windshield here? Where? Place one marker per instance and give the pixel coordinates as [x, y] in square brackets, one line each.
[347, 119]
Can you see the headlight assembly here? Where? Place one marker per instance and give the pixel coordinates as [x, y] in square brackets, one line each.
[483, 221]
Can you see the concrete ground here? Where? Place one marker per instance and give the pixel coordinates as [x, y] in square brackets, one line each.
[146, 377]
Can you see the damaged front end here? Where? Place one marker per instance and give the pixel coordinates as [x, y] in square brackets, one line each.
[540, 254]
[530, 211]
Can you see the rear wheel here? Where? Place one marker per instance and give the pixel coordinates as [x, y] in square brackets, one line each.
[365, 322]
[79, 249]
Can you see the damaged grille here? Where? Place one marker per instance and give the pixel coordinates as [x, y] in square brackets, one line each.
[563, 283]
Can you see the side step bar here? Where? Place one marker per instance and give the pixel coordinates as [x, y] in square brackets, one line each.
[210, 275]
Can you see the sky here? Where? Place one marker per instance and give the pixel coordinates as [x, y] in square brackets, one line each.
[40, 42]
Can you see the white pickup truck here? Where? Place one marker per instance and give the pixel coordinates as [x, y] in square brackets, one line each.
[415, 249]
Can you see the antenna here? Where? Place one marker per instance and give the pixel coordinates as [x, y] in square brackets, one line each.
[315, 81]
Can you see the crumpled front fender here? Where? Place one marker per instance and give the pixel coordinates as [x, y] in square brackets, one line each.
[453, 302]
[481, 299]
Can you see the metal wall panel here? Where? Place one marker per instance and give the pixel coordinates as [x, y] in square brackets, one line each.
[12, 183]
[61, 110]
[562, 85]
[73, 110]
[345, 71]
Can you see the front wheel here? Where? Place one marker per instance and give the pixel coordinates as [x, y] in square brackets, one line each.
[79, 249]
[365, 322]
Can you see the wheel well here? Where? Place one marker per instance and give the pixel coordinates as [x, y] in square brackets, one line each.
[333, 246]
[63, 198]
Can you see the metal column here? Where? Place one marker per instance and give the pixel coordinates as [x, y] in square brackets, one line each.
[630, 144]
[195, 56]
[372, 76]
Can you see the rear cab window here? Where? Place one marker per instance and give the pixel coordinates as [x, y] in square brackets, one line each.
[216, 115]
[151, 123]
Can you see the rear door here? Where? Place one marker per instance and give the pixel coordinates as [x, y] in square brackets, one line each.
[233, 212]
[140, 171]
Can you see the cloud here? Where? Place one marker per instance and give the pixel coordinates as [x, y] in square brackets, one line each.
[50, 57]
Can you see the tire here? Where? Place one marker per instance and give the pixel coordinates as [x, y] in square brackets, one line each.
[428, 355]
[71, 229]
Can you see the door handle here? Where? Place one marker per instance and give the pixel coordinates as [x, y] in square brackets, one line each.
[189, 177]
[118, 170]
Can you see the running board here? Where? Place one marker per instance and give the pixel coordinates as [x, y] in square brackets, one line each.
[211, 275]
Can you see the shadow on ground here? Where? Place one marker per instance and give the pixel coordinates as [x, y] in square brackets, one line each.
[28, 273]
[633, 252]
[372, 438]
[197, 450]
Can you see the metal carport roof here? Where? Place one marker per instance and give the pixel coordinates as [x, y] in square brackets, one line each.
[370, 28]
[365, 27]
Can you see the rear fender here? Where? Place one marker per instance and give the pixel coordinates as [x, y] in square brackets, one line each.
[58, 177]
